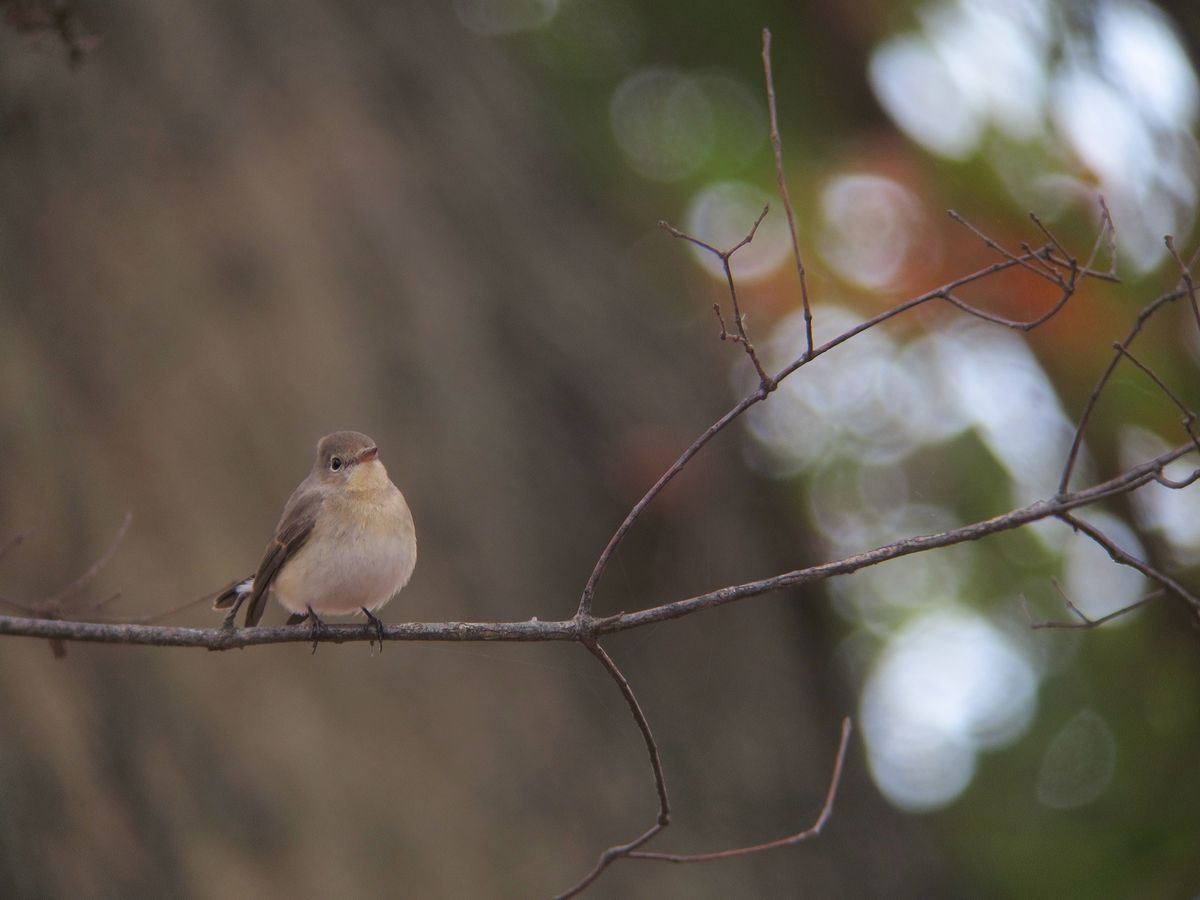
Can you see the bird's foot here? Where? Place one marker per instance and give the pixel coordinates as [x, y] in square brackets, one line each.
[316, 628]
[378, 623]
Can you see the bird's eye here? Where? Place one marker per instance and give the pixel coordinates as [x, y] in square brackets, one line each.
[335, 463]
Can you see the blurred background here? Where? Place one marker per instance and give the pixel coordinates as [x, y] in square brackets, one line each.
[228, 228]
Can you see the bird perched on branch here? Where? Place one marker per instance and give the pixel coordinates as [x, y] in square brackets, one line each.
[344, 544]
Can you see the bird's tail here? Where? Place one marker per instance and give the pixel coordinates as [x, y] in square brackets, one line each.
[235, 593]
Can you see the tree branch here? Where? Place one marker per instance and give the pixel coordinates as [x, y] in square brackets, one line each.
[612, 854]
[945, 292]
[1125, 558]
[818, 825]
[582, 628]
[1084, 620]
[1121, 348]
[781, 181]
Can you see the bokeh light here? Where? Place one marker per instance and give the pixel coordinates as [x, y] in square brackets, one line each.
[1003, 391]
[871, 226]
[663, 123]
[948, 686]
[593, 38]
[1079, 763]
[1114, 103]
[722, 214]
[930, 108]
[499, 17]
[948, 682]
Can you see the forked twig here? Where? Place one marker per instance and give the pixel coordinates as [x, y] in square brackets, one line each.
[1128, 559]
[939, 293]
[54, 607]
[612, 854]
[1084, 620]
[1032, 260]
[739, 335]
[1043, 264]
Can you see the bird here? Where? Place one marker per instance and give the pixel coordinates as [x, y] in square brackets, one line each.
[345, 542]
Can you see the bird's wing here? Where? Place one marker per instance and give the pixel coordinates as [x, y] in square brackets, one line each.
[294, 529]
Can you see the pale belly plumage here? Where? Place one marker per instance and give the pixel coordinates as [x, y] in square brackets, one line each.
[362, 562]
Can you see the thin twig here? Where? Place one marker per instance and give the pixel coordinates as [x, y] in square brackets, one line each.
[940, 293]
[1125, 558]
[812, 831]
[1178, 485]
[1094, 398]
[777, 146]
[1189, 417]
[1084, 620]
[93, 570]
[1071, 261]
[1015, 324]
[739, 336]
[1106, 236]
[1041, 270]
[1185, 273]
[612, 854]
[589, 591]
[1043, 258]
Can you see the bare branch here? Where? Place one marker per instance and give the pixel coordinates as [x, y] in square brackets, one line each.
[1189, 417]
[777, 146]
[1178, 485]
[584, 627]
[1094, 398]
[1127, 559]
[57, 601]
[1040, 262]
[1185, 273]
[1107, 236]
[1084, 620]
[54, 607]
[1015, 324]
[589, 591]
[612, 854]
[1072, 263]
[739, 336]
[812, 831]
[1041, 270]
[940, 293]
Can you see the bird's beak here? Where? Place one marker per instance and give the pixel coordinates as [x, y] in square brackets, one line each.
[369, 454]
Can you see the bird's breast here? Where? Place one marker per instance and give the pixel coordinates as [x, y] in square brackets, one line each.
[362, 551]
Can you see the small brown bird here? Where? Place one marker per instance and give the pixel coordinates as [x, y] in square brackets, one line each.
[344, 544]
